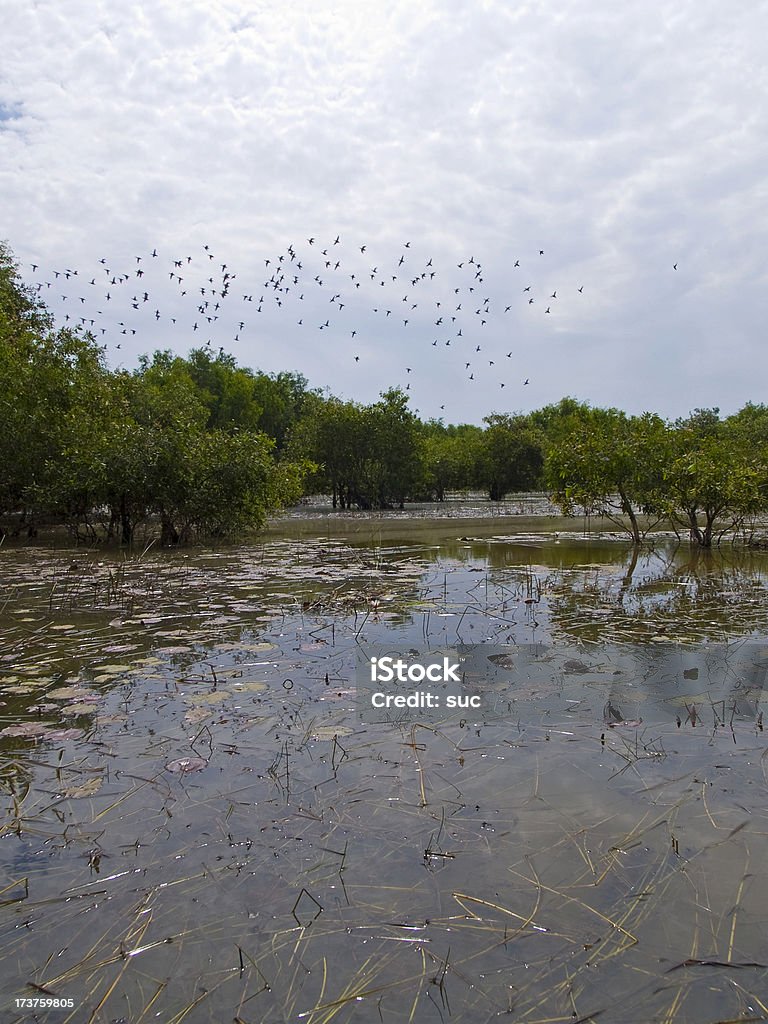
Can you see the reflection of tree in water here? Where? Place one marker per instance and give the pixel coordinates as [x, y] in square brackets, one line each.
[683, 593]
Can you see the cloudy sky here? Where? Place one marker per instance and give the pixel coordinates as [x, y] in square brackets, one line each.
[596, 143]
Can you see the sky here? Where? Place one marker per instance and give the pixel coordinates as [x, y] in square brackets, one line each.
[610, 157]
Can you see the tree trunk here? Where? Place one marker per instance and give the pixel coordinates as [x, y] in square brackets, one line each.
[169, 535]
[126, 527]
[626, 507]
[702, 538]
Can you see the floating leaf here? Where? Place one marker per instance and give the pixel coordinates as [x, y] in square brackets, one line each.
[119, 716]
[78, 707]
[186, 764]
[19, 688]
[26, 729]
[197, 715]
[214, 697]
[73, 693]
[330, 732]
[249, 687]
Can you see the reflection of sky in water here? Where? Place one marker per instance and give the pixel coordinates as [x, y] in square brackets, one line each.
[562, 862]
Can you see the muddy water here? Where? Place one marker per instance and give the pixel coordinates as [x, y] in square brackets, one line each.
[197, 826]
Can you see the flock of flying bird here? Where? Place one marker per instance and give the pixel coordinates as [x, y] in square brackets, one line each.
[356, 301]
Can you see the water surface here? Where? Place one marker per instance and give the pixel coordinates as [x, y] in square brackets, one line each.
[197, 827]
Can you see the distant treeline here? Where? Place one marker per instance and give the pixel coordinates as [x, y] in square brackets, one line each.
[204, 447]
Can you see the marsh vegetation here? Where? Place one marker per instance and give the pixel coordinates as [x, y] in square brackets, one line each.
[197, 826]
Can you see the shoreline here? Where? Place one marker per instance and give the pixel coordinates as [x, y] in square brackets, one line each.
[367, 525]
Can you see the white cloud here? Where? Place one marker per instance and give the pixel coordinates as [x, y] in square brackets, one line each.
[620, 139]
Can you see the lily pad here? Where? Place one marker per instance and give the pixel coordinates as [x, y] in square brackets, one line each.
[214, 697]
[25, 729]
[78, 707]
[65, 734]
[182, 765]
[73, 693]
[330, 732]
[196, 715]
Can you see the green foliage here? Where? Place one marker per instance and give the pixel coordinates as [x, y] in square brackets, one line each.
[235, 397]
[202, 446]
[701, 472]
[44, 375]
[367, 456]
[449, 458]
[510, 456]
[608, 463]
[717, 472]
[552, 420]
[178, 441]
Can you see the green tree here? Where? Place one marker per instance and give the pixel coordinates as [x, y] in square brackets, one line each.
[510, 456]
[394, 463]
[449, 456]
[608, 463]
[44, 376]
[367, 456]
[716, 474]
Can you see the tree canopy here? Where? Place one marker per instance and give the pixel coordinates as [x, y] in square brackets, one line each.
[200, 446]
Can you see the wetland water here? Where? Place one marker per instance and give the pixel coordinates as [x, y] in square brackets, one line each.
[198, 827]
